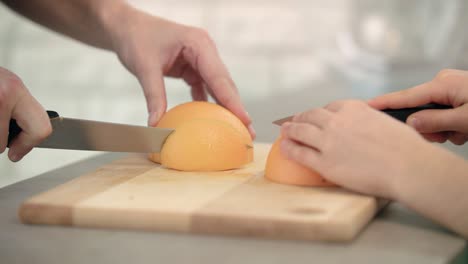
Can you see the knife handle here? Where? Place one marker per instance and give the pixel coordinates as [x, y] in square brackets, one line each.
[14, 129]
[403, 113]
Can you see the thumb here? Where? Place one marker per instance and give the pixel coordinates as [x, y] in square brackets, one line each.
[431, 121]
[152, 82]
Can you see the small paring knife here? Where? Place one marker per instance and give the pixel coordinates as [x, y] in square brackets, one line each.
[400, 114]
[78, 134]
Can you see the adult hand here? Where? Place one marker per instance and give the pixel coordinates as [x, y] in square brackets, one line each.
[354, 145]
[449, 87]
[148, 46]
[17, 103]
[151, 48]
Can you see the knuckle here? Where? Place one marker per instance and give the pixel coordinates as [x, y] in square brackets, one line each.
[335, 105]
[11, 86]
[304, 116]
[203, 34]
[309, 115]
[448, 76]
[14, 81]
[198, 35]
[346, 106]
[354, 104]
[442, 74]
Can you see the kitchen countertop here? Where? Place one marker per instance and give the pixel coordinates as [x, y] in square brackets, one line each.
[397, 235]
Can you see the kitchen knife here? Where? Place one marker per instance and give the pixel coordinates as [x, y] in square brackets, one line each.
[400, 114]
[78, 134]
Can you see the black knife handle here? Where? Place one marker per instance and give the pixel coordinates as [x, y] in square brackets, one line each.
[403, 113]
[14, 129]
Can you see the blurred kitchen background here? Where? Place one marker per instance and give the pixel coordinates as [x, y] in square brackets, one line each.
[284, 55]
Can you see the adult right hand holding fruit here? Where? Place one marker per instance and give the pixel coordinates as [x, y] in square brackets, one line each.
[150, 47]
[357, 147]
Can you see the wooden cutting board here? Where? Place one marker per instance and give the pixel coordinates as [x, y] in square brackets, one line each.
[134, 193]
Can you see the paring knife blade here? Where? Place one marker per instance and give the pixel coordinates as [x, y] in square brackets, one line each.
[400, 114]
[79, 134]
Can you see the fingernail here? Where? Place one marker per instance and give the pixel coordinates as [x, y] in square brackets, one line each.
[414, 122]
[248, 116]
[284, 128]
[14, 157]
[153, 118]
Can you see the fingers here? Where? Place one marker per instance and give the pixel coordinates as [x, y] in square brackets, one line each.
[35, 125]
[17, 103]
[196, 83]
[443, 89]
[199, 93]
[304, 133]
[318, 117]
[10, 87]
[439, 137]
[152, 80]
[231, 100]
[203, 56]
[307, 128]
[412, 97]
[335, 106]
[21, 146]
[303, 137]
[430, 121]
[225, 93]
[306, 156]
[458, 138]
[4, 124]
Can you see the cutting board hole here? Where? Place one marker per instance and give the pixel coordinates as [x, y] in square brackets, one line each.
[307, 211]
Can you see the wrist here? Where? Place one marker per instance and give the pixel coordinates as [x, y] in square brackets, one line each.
[429, 170]
[111, 15]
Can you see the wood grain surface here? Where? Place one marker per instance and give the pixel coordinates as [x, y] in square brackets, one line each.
[134, 193]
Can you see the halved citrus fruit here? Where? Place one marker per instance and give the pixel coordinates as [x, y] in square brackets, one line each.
[282, 170]
[204, 129]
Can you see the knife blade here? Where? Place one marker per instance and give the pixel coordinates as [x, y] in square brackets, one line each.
[399, 114]
[80, 134]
